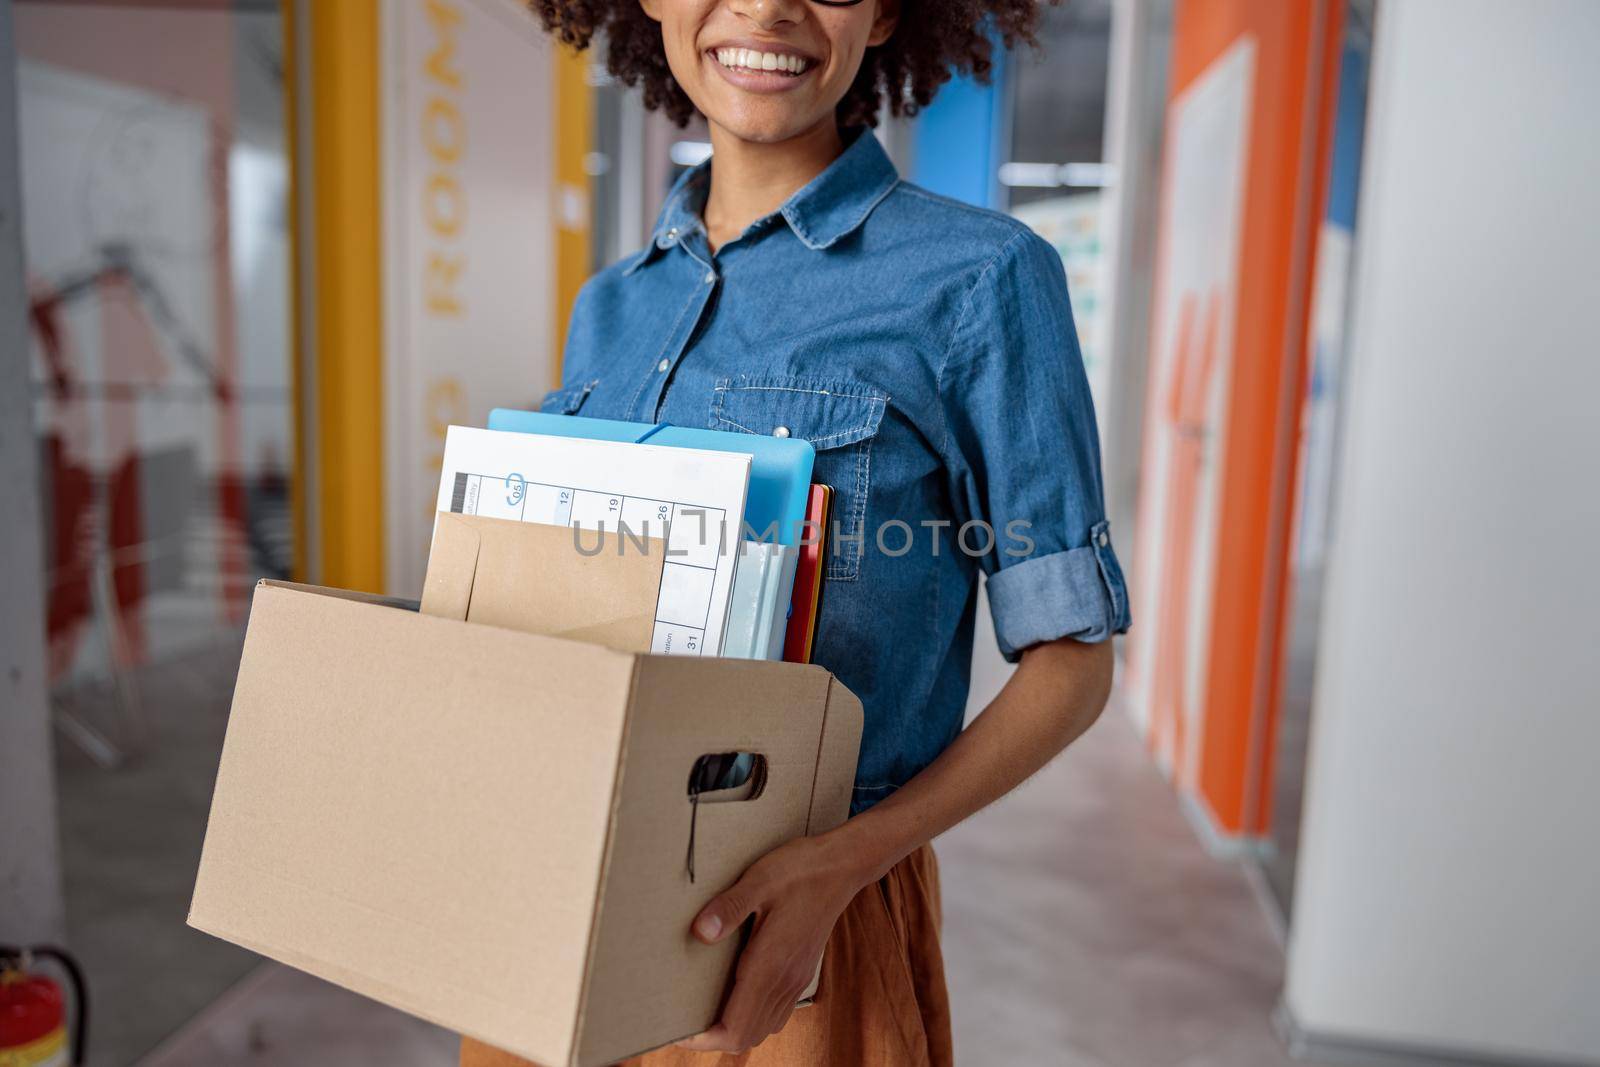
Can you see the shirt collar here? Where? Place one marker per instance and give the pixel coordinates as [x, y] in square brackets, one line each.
[826, 209]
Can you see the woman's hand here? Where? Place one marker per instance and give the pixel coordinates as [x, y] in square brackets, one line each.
[796, 893]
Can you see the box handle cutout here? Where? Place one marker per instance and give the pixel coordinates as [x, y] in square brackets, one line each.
[722, 777]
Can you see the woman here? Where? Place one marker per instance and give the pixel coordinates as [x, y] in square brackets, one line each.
[795, 286]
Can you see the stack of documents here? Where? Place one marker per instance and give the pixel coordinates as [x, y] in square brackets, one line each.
[690, 499]
[733, 517]
[780, 467]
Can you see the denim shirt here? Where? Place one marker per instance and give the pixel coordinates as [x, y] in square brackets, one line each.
[927, 349]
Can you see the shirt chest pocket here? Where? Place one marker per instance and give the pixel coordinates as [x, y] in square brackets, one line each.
[840, 419]
[567, 400]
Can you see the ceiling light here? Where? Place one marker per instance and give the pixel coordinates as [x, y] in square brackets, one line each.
[1055, 175]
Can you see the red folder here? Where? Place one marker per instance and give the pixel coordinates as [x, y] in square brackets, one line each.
[802, 631]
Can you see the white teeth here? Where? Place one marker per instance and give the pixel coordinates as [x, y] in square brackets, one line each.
[749, 59]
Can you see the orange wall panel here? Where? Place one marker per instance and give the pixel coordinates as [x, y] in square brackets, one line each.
[1206, 667]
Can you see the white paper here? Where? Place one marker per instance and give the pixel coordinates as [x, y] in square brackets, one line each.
[691, 498]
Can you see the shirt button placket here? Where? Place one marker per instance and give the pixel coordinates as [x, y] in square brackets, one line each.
[687, 329]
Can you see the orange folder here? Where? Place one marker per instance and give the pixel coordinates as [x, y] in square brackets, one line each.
[802, 631]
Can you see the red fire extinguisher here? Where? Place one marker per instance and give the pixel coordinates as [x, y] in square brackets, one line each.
[33, 1013]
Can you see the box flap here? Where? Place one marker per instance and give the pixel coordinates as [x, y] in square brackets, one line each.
[380, 599]
[533, 577]
[452, 568]
[417, 810]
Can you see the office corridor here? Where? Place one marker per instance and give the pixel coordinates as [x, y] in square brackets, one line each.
[1086, 926]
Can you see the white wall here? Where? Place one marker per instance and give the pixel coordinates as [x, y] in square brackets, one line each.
[468, 190]
[1449, 887]
[1136, 115]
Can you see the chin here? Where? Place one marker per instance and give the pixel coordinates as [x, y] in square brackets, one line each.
[767, 122]
[763, 134]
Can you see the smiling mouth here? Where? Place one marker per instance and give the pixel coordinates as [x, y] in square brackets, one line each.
[754, 62]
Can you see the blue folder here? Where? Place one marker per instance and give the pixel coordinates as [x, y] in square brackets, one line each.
[780, 467]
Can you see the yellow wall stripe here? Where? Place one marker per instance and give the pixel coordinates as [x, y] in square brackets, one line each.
[574, 139]
[347, 361]
[300, 453]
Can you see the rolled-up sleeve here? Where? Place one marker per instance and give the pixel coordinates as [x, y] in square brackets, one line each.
[1023, 454]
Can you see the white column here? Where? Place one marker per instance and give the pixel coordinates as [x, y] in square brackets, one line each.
[1450, 864]
[1136, 90]
[30, 860]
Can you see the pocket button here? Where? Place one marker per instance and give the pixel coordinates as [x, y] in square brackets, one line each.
[781, 431]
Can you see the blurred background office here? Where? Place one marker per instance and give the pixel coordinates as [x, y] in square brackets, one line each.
[1334, 269]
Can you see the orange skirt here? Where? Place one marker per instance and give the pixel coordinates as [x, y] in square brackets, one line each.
[881, 1001]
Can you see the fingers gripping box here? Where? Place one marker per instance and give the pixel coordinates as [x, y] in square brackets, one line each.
[490, 828]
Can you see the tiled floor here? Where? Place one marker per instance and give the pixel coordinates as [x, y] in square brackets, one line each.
[1084, 927]
[279, 1017]
[130, 842]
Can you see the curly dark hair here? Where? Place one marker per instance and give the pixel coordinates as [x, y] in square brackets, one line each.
[934, 40]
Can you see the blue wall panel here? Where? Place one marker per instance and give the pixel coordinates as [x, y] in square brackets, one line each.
[958, 141]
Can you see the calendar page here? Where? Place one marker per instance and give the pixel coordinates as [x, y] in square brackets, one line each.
[691, 499]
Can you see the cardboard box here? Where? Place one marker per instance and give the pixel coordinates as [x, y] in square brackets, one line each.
[489, 828]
